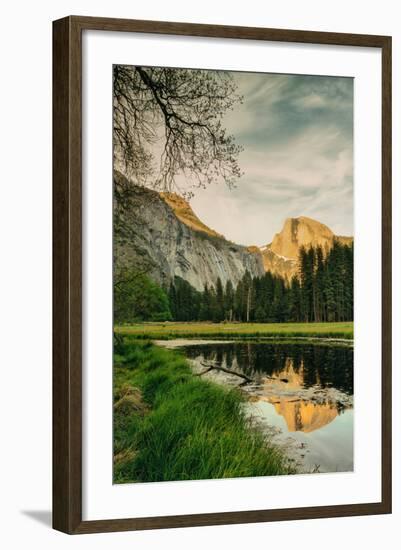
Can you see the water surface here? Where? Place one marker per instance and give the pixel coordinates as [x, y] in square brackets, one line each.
[302, 394]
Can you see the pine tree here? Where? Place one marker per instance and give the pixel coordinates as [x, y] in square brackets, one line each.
[319, 284]
[172, 297]
[205, 309]
[219, 308]
[295, 300]
[229, 302]
[306, 278]
[249, 297]
[323, 292]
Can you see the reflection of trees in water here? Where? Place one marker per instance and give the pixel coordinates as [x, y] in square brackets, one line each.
[317, 365]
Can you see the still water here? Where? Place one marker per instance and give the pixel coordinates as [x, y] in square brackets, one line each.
[300, 394]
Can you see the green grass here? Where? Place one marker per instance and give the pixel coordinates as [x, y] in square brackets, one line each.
[170, 425]
[167, 330]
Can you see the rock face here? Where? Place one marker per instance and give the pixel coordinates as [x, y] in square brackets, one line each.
[277, 264]
[281, 255]
[299, 232]
[161, 235]
[168, 237]
[186, 215]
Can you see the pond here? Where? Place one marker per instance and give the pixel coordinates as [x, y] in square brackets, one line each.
[299, 393]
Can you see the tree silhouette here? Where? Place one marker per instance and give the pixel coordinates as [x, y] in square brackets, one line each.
[176, 115]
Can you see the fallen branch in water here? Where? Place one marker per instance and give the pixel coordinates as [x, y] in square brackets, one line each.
[223, 369]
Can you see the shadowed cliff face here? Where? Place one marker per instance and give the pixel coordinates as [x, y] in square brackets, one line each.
[169, 240]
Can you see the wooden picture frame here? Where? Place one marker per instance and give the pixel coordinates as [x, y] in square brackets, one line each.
[67, 274]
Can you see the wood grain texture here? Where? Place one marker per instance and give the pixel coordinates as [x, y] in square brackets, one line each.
[67, 274]
[67, 279]
[225, 31]
[386, 275]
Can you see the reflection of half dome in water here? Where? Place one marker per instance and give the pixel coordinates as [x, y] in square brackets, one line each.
[288, 378]
[301, 415]
[305, 416]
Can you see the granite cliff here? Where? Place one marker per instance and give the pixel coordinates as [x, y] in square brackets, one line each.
[160, 234]
[166, 236]
[281, 255]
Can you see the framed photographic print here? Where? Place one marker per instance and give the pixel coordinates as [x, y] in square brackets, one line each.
[222, 274]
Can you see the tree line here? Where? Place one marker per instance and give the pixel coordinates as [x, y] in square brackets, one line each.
[322, 291]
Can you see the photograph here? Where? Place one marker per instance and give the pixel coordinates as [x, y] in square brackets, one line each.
[233, 274]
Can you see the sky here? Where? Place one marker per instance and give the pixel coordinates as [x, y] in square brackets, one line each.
[297, 135]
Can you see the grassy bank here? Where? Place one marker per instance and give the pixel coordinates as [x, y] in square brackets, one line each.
[169, 330]
[172, 425]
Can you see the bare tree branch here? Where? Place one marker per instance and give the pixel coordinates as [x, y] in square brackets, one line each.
[176, 115]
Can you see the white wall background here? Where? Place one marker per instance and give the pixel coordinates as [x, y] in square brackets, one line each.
[25, 272]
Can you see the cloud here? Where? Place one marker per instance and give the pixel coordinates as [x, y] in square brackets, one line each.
[312, 101]
[297, 134]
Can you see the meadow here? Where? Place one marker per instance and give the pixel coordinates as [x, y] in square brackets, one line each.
[171, 330]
